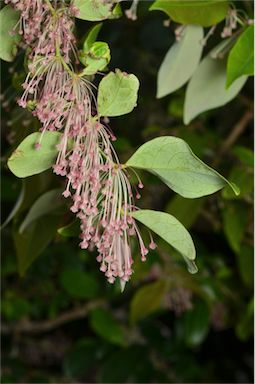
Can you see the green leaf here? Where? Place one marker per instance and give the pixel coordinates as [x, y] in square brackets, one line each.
[14, 308]
[241, 57]
[8, 39]
[202, 12]
[234, 223]
[245, 262]
[34, 186]
[26, 160]
[96, 58]
[171, 230]
[71, 230]
[79, 360]
[147, 300]
[49, 203]
[180, 61]
[93, 10]
[206, 89]
[116, 12]
[244, 179]
[127, 365]
[172, 160]
[117, 94]
[245, 327]
[185, 210]
[16, 208]
[79, 284]
[106, 326]
[196, 324]
[31, 242]
[31, 188]
[91, 37]
[245, 155]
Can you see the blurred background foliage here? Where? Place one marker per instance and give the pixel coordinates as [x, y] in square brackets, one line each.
[61, 321]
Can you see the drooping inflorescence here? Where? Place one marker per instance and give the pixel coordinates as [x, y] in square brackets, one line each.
[99, 186]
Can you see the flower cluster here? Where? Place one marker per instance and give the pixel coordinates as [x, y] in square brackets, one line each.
[46, 29]
[99, 186]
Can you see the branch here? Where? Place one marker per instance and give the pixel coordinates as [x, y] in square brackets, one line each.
[28, 326]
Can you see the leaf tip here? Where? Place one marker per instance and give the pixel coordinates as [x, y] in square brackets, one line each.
[152, 7]
[159, 94]
[235, 188]
[186, 119]
[191, 265]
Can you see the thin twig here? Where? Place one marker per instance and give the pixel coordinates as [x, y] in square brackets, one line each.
[28, 326]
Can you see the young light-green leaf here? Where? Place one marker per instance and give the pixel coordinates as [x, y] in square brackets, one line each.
[26, 160]
[117, 94]
[8, 38]
[201, 12]
[241, 57]
[170, 229]
[96, 58]
[207, 88]
[50, 203]
[91, 37]
[93, 10]
[180, 61]
[173, 161]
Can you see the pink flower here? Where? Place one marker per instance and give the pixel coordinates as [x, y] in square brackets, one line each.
[102, 199]
[100, 189]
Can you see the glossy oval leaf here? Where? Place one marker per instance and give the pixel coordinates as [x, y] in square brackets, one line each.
[26, 160]
[51, 202]
[80, 358]
[147, 300]
[117, 94]
[207, 88]
[245, 155]
[8, 38]
[106, 326]
[93, 10]
[33, 240]
[173, 161]
[196, 324]
[180, 61]
[185, 210]
[170, 229]
[235, 221]
[201, 12]
[79, 284]
[241, 57]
